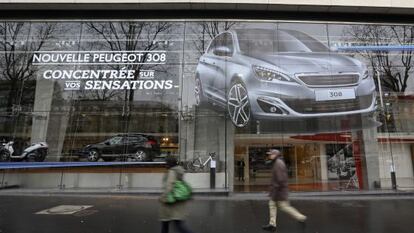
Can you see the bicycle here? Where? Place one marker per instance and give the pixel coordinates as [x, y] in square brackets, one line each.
[197, 164]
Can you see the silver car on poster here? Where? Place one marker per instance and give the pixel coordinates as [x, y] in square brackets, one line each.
[272, 74]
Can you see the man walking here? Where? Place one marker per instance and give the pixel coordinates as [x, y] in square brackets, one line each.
[279, 192]
[240, 168]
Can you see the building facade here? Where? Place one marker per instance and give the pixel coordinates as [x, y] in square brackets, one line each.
[97, 98]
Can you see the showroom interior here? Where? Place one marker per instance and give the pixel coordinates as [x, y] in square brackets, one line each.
[111, 99]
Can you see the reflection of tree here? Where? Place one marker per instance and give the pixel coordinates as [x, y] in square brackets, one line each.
[17, 46]
[129, 36]
[395, 68]
[206, 31]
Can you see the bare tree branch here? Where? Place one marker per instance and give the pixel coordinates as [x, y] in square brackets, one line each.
[395, 65]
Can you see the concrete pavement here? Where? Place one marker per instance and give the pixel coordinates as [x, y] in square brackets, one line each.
[133, 213]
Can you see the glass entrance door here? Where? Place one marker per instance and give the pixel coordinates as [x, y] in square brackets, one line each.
[253, 170]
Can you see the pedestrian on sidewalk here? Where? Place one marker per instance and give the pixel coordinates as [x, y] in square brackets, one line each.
[279, 192]
[240, 168]
[175, 212]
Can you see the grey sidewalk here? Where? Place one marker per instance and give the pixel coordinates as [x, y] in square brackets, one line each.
[208, 214]
[207, 192]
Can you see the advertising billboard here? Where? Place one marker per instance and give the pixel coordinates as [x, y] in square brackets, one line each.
[265, 73]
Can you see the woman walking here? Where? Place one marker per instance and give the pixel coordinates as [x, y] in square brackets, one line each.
[175, 212]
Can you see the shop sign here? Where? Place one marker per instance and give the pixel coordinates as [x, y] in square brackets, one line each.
[130, 75]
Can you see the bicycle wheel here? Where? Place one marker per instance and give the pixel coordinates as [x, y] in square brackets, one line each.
[196, 165]
[188, 166]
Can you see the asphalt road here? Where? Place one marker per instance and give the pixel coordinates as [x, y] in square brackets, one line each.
[127, 214]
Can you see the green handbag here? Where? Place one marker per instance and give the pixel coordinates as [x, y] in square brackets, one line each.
[180, 192]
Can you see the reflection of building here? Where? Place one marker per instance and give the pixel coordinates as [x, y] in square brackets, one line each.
[347, 152]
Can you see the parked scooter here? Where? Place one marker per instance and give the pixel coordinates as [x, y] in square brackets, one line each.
[36, 152]
[6, 150]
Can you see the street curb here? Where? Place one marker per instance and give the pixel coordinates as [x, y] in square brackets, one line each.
[220, 194]
[355, 193]
[13, 191]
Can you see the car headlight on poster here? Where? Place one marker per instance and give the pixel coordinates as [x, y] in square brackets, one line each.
[269, 75]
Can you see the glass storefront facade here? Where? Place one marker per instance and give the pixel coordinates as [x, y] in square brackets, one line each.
[100, 104]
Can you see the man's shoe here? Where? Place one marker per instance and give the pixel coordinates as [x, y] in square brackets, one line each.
[269, 227]
[302, 226]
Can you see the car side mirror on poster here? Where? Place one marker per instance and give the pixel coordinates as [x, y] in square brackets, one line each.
[223, 51]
